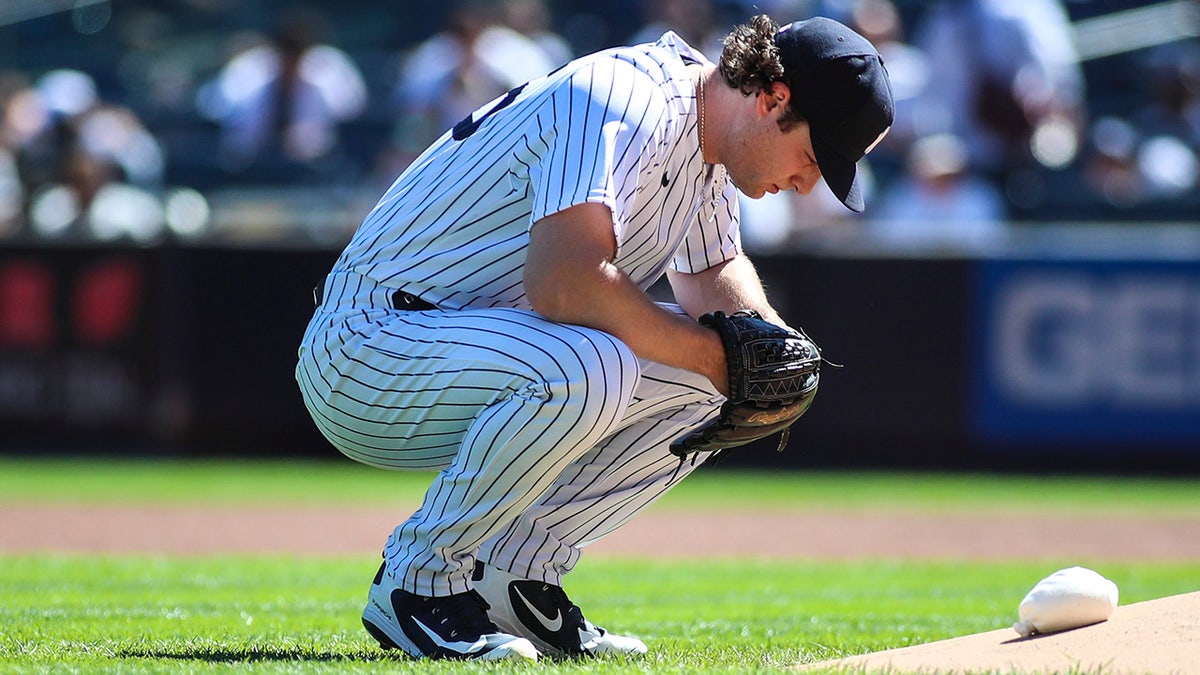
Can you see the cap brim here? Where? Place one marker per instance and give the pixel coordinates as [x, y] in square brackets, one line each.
[840, 174]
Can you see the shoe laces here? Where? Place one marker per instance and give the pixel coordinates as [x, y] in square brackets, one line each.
[462, 612]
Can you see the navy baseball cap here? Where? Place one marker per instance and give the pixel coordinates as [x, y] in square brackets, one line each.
[839, 85]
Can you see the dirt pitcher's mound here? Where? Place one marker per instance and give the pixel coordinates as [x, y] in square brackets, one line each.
[1159, 637]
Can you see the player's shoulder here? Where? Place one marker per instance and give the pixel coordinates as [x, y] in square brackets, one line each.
[661, 63]
[654, 74]
[673, 47]
[665, 61]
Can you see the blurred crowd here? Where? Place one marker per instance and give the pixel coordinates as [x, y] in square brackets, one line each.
[1003, 112]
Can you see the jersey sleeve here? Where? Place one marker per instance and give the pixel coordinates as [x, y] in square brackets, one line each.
[714, 236]
[598, 131]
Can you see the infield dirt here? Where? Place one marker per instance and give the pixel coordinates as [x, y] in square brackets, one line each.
[1157, 636]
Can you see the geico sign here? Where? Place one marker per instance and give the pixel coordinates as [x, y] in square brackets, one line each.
[1071, 339]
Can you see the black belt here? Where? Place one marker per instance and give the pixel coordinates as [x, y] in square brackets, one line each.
[400, 300]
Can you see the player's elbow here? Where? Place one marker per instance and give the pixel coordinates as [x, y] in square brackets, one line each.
[551, 300]
[543, 294]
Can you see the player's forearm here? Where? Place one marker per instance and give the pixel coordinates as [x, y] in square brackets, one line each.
[603, 297]
[727, 287]
[570, 277]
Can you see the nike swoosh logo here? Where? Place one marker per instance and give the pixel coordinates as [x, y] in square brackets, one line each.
[460, 647]
[552, 624]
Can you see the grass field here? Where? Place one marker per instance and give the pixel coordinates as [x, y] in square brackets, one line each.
[284, 614]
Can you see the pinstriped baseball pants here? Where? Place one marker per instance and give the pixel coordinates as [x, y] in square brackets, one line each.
[546, 436]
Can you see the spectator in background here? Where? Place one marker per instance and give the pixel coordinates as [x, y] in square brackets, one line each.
[87, 167]
[1149, 159]
[12, 195]
[42, 123]
[13, 86]
[1130, 167]
[1110, 163]
[279, 104]
[1174, 80]
[939, 201]
[1168, 158]
[532, 19]
[472, 60]
[1002, 73]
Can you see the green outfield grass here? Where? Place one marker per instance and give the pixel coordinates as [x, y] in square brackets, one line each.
[289, 614]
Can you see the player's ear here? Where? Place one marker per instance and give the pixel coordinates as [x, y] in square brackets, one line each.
[776, 95]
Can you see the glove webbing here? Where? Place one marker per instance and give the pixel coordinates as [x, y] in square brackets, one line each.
[717, 456]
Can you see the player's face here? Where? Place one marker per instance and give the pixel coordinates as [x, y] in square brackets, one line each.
[771, 160]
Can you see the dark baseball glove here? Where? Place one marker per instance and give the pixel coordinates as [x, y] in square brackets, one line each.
[773, 375]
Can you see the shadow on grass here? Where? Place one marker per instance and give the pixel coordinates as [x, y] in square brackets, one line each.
[298, 654]
[252, 654]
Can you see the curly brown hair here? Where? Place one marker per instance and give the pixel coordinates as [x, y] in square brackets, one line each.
[750, 62]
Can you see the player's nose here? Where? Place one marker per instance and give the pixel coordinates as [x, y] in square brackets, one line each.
[806, 180]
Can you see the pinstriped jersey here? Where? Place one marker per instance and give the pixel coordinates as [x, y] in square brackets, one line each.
[618, 128]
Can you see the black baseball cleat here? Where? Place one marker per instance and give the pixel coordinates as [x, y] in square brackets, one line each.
[449, 627]
[543, 613]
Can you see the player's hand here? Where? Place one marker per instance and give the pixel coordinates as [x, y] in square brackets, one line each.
[772, 377]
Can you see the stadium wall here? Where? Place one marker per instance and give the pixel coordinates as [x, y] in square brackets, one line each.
[1026, 358]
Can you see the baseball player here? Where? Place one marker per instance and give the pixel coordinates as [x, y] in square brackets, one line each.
[490, 318]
